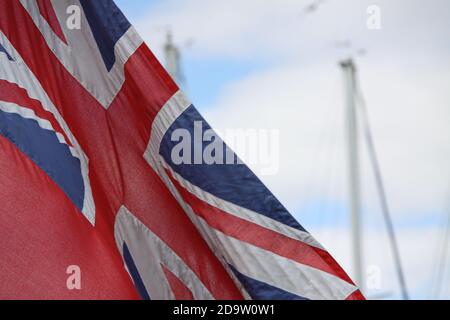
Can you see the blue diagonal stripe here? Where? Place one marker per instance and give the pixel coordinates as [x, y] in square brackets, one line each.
[3, 50]
[44, 149]
[108, 25]
[134, 272]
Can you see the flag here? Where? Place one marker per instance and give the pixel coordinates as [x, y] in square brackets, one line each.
[93, 203]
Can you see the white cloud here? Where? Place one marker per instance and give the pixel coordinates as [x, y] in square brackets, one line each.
[306, 104]
[253, 29]
[418, 255]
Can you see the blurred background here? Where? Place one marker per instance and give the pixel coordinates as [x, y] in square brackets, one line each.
[275, 64]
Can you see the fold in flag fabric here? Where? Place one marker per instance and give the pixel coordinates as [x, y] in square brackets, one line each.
[88, 183]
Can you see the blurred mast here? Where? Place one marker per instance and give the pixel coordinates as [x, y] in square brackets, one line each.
[172, 56]
[355, 102]
[349, 70]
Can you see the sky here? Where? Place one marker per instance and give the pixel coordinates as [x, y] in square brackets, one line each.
[274, 65]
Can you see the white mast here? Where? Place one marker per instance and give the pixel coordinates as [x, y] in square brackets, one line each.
[353, 169]
[172, 59]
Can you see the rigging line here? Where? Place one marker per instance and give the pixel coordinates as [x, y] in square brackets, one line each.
[312, 189]
[443, 259]
[327, 183]
[435, 266]
[381, 189]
